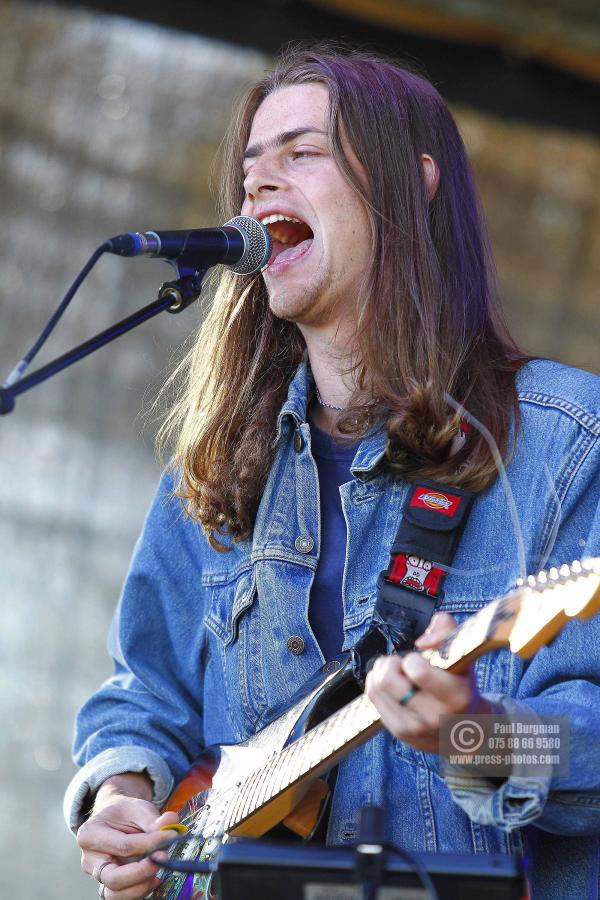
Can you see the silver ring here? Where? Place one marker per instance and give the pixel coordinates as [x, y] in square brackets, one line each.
[97, 873]
[101, 889]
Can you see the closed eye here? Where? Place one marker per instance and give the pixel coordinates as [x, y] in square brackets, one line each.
[300, 154]
[294, 154]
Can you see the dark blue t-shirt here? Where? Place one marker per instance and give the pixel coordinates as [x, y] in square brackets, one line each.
[325, 610]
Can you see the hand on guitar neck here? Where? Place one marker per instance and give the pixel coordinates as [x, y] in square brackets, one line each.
[416, 720]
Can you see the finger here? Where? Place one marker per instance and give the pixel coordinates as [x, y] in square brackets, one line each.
[91, 862]
[452, 691]
[442, 624]
[127, 876]
[401, 720]
[387, 676]
[135, 892]
[131, 813]
[105, 839]
[415, 721]
[167, 818]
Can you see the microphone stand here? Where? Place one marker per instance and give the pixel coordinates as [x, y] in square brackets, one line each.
[172, 296]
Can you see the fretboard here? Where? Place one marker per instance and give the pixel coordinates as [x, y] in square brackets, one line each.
[471, 639]
[312, 754]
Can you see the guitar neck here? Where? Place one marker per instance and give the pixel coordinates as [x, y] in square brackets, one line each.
[480, 633]
[308, 757]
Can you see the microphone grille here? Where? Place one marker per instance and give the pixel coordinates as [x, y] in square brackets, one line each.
[258, 245]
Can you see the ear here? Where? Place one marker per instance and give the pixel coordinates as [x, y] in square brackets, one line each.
[431, 173]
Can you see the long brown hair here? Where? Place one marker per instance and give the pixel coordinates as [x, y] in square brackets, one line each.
[428, 320]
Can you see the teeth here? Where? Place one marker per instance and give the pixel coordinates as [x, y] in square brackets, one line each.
[279, 217]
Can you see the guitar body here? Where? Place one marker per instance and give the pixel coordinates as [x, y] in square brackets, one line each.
[209, 794]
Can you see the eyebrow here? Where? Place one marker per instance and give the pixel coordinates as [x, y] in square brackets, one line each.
[280, 140]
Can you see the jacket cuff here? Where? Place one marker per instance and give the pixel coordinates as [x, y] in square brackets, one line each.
[517, 800]
[86, 782]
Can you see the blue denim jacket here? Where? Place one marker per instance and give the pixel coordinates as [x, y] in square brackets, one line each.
[199, 638]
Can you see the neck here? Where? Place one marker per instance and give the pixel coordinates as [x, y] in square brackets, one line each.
[329, 362]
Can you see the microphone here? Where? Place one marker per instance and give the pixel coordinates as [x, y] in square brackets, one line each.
[243, 244]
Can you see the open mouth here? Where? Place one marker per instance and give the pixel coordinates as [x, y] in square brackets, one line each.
[291, 238]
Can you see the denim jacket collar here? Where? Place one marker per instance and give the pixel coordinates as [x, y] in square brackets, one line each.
[293, 414]
[293, 411]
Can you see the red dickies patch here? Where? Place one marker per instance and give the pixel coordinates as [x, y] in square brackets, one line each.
[437, 501]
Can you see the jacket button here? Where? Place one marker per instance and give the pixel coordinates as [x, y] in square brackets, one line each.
[332, 666]
[297, 441]
[304, 543]
[295, 644]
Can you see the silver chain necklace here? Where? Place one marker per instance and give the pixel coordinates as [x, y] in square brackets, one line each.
[321, 402]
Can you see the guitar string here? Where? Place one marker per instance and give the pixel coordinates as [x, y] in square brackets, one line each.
[309, 760]
[288, 760]
[291, 752]
[267, 787]
[256, 798]
[298, 747]
[248, 787]
[256, 785]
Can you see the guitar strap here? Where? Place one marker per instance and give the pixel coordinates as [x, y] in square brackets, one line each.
[411, 588]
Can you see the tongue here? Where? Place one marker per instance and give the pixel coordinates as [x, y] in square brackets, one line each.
[291, 252]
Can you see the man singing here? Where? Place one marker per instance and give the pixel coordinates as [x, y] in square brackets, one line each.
[316, 395]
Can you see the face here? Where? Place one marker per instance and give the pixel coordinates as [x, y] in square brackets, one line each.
[320, 256]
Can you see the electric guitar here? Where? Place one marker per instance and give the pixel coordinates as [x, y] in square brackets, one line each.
[274, 777]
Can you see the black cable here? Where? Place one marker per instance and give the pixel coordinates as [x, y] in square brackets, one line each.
[419, 870]
[185, 865]
[371, 885]
[370, 849]
[19, 369]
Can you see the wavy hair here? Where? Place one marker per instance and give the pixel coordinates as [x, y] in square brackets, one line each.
[428, 321]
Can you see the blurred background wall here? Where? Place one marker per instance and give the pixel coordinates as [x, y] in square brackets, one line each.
[109, 124]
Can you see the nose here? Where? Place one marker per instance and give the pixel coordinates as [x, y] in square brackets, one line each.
[262, 177]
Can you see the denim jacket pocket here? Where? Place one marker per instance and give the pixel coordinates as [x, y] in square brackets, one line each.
[233, 622]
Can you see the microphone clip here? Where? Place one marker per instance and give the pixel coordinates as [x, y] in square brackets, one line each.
[184, 291]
